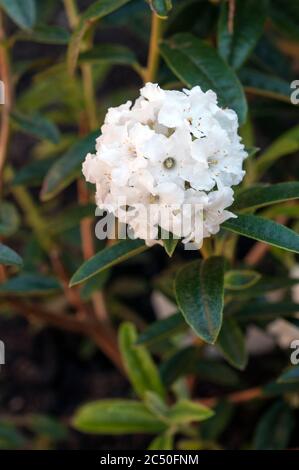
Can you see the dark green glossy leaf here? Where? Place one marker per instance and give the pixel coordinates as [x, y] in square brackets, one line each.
[107, 258]
[161, 7]
[291, 375]
[94, 284]
[213, 428]
[264, 84]
[264, 230]
[199, 290]
[9, 257]
[109, 54]
[22, 12]
[33, 173]
[260, 311]
[70, 218]
[9, 219]
[239, 279]
[37, 126]
[47, 35]
[260, 196]
[139, 365]
[116, 417]
[197, 15]
[48, 427]
[102, 8]
[94, 12]
[275, 428]
[28, 284]
[196, 63]
[162, 329]
[270, 58]
[10, 437]
[264, 285]
[231, 343]
[188, 361]
[275, 389]
[248, 24]
[65, 170]
[285, 14]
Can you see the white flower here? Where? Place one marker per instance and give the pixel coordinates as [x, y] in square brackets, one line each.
[173, 157]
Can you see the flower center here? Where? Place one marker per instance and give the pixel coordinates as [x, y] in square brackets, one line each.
[169, 163]
[153, 199]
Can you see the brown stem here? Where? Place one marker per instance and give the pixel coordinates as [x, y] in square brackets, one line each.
[235, 397]
[86, 227]
[154, 56]
[231, 15]
[71, 293]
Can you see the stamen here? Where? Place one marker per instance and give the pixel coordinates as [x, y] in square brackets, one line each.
[169, 163]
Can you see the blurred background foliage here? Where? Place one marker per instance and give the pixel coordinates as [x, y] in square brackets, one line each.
[63, 64]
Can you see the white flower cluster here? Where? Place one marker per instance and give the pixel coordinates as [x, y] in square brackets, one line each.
[170, 151]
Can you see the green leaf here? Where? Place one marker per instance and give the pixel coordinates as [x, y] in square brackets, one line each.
[260, 196]
[107, 258]
[65, 170]
[291, 375]
[275, 428]
[199, 290]
[9, 257]
[268, 56]
[238, 279]
[113, 54]
[164, 441]
[286, 144]
[264, 84]
[231, 343]
[162, 329]
[188, 361]
[116, 417]
[138, 363]
[48, 427]
[161, 7]
[285, 15]
[94, 12]
[265, 284]
[10, 437]
[249, 19]
[9, 219]
[70, 218]
[262, 311]
[101, 8]
[196, 63]
[186, 411]
[93, 284]
[45, 34]
[32, 173]
[212, 429]
[275, 389]
[37, 126]
[22, 12]
[170, 245]
[264, 230]
[28, 284]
